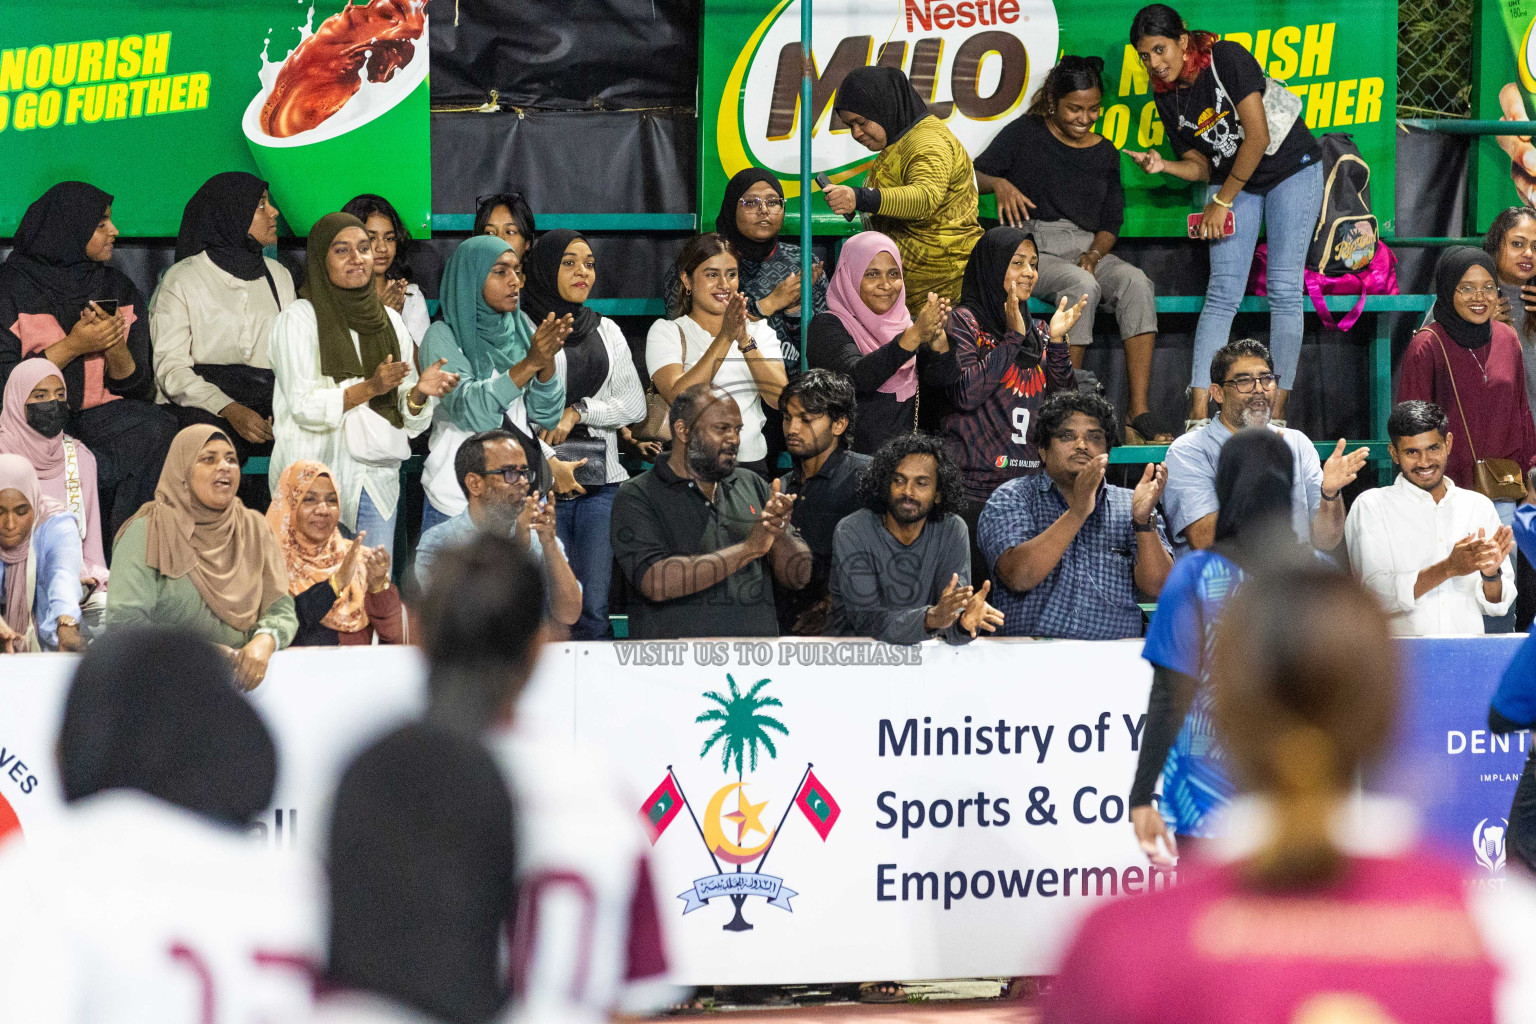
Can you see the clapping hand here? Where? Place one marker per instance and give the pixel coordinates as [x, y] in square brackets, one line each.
[950, 604]
[1066, 317]
[540, 516]
[376, 562]
[1148, 491]
[1341, 469]
[549, 338]
[1085, 489]
[1014, 309]
[773, 520]
[95, 331]
[1498, 549]
[393, 294]
[435, 382]
[347, 571]
[979, 615]
[388, 376]
[733, 322]
[932, 318]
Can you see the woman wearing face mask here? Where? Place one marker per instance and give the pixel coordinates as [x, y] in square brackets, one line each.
[506, 369]
[1210, 97]
[712, 340]
[920, 190]
[391, 262]
[39, 566]
[1008, 362]
[868, 334]
[197, 559]
[32, 417]
[341, 588]
[1470, 364]
[57, 292]
[1075, 206]
[213, 310]
[348, 393]
[602, 394]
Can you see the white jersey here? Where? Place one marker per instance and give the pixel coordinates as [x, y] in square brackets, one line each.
[587, 921]
[131, 911]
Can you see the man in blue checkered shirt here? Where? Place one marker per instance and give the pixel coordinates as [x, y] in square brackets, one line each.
[1068, 551]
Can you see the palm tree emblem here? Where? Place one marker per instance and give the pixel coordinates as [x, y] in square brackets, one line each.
[742, 729]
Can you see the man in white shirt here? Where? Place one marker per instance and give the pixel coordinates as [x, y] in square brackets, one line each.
[1433, 552]
[147, 900]
[588, 929]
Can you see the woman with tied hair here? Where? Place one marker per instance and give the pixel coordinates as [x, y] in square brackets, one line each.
[392, 246]
[920, 189]
[1075, 206]
[1321, 904]
[341, 588]
[197, 559]
[348, 393]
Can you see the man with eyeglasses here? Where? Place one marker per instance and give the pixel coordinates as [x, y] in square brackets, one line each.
[494, 474]
[1434, 553]
[1068, 551]
[1243, 382]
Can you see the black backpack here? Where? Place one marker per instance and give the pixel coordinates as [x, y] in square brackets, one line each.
[1344, 241]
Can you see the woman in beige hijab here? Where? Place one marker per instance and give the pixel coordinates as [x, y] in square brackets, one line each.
[196, 558]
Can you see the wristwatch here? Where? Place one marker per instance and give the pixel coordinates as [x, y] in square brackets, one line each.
[66, 620]
[1490, 579]
[1150, 526]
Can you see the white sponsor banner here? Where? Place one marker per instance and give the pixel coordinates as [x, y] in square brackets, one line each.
[965, 805]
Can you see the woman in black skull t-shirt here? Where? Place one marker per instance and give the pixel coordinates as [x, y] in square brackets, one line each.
[1210, 96]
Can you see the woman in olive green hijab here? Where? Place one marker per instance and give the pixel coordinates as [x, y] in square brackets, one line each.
[347, 392]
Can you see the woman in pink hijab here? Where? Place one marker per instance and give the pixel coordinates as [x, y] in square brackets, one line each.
[32, 415]
[39, 566]
[868, 334]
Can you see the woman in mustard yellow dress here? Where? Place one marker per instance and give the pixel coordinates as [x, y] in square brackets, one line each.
[921, 189]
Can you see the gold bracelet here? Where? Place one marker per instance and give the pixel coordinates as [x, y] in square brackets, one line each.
[412, 407]
[1221, 202]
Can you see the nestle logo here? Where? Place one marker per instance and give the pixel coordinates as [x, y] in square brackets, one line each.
[962, 15]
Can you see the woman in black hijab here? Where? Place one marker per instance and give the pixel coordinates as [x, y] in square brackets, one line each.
[920, 190]
[59, 298]
[421, 881]
[1470, 364]
[1006, 362]
[603, 394]
[751, 217]
[211, 315]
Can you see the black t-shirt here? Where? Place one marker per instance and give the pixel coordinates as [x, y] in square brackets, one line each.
[1197, 118]
[1064, 182]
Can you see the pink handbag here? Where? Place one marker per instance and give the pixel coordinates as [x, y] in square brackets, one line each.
[1379, 278]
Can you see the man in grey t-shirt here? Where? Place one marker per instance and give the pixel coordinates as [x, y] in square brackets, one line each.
[901, 566]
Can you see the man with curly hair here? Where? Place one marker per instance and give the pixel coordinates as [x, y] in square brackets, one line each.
[901, 565]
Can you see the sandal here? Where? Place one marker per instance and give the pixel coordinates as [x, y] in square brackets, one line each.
[1144, 429]
[881, 992]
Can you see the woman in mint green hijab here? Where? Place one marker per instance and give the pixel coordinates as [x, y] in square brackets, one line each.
[506, 366]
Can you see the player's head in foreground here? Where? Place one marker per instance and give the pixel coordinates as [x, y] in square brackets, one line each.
[420, 862]
[157, 710]
[1305, 679]
[481, 620]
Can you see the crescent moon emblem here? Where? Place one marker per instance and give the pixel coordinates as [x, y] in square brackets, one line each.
[714, 836]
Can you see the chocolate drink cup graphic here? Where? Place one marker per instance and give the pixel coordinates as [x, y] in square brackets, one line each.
[347, 112]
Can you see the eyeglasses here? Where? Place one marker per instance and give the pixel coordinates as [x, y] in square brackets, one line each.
[752, 204]
[512, 474]
[1468, 291]
[1245, 384]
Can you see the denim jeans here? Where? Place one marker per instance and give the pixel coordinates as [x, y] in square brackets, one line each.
[582, 526]
[381, 530]
[1290, 211]
[1502, 623]
[431, 515]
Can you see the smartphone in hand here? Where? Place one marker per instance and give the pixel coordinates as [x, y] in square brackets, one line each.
[107, 306]
[825, 183]
[1228, 229]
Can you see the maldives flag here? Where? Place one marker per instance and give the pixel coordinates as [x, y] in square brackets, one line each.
[660, 808]
[816, 803]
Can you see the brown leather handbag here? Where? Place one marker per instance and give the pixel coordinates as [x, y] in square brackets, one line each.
[1495, 479]
[657, 425]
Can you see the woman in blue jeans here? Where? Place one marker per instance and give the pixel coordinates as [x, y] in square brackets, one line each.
[603, 394]
[1210, 96]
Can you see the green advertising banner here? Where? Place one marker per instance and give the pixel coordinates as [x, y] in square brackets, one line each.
[1504, 87]
[979, 61]
[146, 100]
